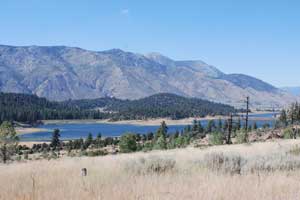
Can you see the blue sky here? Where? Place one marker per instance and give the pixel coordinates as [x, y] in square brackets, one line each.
[258, 38]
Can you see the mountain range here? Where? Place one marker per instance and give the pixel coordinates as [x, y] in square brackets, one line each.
[61, 73]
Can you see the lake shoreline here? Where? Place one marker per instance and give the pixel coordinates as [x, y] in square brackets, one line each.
[150, 122]
[147, 122]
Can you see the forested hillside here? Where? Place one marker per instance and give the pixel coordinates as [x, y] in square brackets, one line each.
[169, 105]
[30, 108]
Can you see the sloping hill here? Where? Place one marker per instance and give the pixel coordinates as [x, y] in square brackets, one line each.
[30, 108]
[168, 105]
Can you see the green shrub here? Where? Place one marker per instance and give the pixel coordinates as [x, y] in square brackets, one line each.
[18, 158]
[217, 138]
[160, 143]
[266, 126]
[26, 156]
[183, 141]
[139, 147]
[288, 133]
[83, 153]
[54, 155]
[241, 137]
[128, 143]
[148, 146]
[45, 155]
[179, 142]
[172, 143]
[96, 153]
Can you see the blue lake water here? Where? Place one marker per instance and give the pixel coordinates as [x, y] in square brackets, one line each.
[76, 131]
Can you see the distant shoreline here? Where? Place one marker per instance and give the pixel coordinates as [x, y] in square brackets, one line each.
[145, 122]
[150, 122]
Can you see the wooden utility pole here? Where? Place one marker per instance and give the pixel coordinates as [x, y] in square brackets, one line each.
[247, 114]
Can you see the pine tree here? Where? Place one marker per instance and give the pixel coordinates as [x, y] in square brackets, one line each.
[150, 136]
[283, 117]
[187, 129]
[160, 137]
[255, 126]
[292, 113]
[143, 138]
[138, 137]
[128, 143]
[200, 127]
[239, 124]
[160, 143]
[211, 126]
[176, 134]
[162, 130]
[250, 128]
[70, 146]
[8, 141]
[220, 125]
[195, 125]
[55, 142]
[99, 136]
[296, 112]
[89, 140]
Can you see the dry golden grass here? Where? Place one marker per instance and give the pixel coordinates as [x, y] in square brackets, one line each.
[176, 174]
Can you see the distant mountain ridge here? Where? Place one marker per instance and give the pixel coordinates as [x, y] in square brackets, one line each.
[61, 73]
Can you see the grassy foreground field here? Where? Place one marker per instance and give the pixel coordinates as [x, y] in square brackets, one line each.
[268, 171]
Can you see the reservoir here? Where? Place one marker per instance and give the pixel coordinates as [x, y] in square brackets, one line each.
[81, 130]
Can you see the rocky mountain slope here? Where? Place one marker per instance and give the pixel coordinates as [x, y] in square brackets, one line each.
[61, 73]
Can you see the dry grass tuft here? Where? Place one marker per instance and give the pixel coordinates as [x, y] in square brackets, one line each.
[224, 163]
[150, 165]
